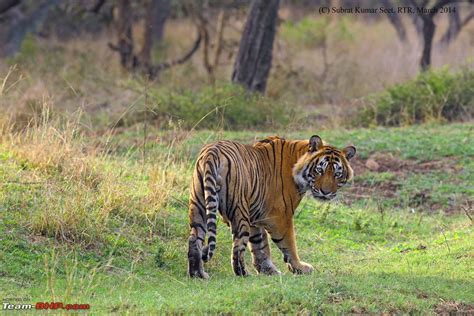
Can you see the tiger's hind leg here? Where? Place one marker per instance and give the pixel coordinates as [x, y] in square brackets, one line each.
[241, 233]
[261, 251]
[196, 239]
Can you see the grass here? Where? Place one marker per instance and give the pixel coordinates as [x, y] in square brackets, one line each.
[92, 211]
[88, 221]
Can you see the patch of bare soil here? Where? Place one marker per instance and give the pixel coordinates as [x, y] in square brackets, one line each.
[355, 310]
[400, 169]
[386, 162]
[454, 308]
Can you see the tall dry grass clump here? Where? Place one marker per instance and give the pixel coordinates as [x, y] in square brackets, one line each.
[83, 189]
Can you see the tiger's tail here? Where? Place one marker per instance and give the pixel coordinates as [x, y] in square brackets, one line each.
[212, 203]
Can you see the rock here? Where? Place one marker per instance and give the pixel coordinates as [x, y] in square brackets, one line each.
[372, 165]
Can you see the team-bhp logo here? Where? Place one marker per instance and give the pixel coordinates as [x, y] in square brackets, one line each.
[45, 306]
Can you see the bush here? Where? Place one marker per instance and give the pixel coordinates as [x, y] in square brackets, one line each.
[313, 33]
[228, 106]
[433, 95]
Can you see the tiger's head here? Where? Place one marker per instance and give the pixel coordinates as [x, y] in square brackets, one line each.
[323, 169]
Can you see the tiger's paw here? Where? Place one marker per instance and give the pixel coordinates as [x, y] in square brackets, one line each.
[267, 267]
[240, 271]
[238, 266]
[199, 274]
[301, 268]
[270, 271]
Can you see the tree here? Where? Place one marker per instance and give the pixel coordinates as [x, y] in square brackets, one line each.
[211, 62]
[428, 30]
[456, 23]
[6, 5]
[129, 59]
[22, 24]
[123, 26]
[157, 13]
[254, 58]
[395, 21]
[162, 10]
[19, 18]
[428, 27]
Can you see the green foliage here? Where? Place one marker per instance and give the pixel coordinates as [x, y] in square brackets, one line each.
[28, 51]
[434, 95]
[313, 33]
[307, 32]
[230, 105]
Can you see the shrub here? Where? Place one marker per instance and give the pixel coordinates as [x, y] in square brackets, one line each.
[434, 95]
[307, 32]
[228, 106]
[313, 33]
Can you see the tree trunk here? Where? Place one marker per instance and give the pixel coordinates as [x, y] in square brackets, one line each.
[454, 26]
[12, 38]
[161, 12]
[123, 24]
[429, 28]
[6, 5]
[157, 12]
[395, 21]
[254, 58]
[428, 33]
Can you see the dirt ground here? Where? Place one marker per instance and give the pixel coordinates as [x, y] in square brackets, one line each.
[454, 308]
[400, 169]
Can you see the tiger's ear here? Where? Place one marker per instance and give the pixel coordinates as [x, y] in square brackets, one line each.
[315, 143]
[349, 152]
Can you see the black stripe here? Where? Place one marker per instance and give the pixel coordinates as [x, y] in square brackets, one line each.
[212, 230]
[210, 189]
[210, 199]
[211, 216]
[243, 234]
[277, 240]
[262, 248]
[256, 239]
[198, 225]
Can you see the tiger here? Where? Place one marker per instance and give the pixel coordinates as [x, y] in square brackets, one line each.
[256, 190]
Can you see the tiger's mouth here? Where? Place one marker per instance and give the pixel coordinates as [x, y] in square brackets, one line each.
[322, 197]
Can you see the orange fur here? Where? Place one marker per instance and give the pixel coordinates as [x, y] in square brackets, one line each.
[254, 190]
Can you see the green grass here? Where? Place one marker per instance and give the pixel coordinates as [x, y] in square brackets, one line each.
[367, 258]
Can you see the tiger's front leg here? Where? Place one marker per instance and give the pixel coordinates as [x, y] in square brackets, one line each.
[286, 242]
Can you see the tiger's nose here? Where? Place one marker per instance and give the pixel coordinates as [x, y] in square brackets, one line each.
[325, 192]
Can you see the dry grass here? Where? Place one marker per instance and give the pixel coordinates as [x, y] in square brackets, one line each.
[81, 190]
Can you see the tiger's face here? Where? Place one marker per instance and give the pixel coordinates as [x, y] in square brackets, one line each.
[323, 170]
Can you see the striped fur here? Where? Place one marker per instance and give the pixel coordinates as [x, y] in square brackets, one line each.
[256, 190]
